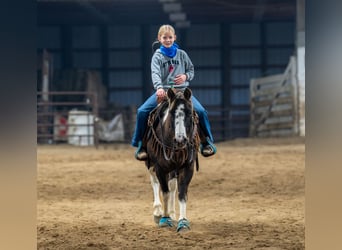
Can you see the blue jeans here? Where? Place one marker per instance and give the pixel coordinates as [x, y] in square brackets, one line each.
[145, 109]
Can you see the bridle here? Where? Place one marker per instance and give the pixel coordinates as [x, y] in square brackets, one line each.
[185, 151]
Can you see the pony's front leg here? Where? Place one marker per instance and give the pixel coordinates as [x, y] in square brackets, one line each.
[171, 200]
[157, 206]
[166, 220]
[184, 179]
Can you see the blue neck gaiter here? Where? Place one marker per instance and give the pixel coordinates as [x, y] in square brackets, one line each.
[170, 52]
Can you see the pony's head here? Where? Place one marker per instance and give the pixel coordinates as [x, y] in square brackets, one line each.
[180, 114]
[173, 136]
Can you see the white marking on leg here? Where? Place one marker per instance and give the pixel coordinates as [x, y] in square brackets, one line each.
[157, 206]
[172, 206]
[182, 210]
[180, 132]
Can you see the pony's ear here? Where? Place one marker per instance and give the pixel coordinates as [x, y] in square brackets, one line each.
[187, 93]
[170, 94]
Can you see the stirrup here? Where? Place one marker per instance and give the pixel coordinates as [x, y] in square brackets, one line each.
[208, 148]
[140, 154]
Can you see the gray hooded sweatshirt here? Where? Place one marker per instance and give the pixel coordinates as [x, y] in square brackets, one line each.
[164, 69]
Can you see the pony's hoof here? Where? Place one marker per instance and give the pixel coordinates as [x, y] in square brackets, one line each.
[183, 225]
[165, 222]
[157, 218]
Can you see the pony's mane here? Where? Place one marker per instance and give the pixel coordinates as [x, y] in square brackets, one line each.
[179, 97]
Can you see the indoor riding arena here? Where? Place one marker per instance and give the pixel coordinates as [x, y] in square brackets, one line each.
[93, 73]
[250, 195]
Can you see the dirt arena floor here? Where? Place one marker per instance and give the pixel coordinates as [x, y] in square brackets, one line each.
[250, 195]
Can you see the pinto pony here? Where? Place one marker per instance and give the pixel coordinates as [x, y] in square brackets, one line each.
[172, 143]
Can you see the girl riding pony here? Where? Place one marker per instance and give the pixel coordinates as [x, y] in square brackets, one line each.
[171, 67]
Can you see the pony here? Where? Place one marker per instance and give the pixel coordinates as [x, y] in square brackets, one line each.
[172, 143]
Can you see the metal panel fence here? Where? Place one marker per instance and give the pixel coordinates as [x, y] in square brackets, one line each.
[59, 121]
[79, 121]
[274, 104]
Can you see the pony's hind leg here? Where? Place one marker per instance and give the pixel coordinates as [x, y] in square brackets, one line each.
[157, 206]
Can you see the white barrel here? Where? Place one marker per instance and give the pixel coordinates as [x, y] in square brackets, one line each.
[80, 128]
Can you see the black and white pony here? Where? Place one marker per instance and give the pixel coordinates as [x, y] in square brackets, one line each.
[172, 142]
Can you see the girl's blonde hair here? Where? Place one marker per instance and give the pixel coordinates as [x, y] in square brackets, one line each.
[165, 28]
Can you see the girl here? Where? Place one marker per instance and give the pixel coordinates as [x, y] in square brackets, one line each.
[170, 67]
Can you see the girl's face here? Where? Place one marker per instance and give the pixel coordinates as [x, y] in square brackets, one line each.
[167, 39]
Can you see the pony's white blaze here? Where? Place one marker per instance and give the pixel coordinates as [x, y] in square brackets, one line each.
[180, 132]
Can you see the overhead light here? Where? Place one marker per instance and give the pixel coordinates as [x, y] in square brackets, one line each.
[167, 1]
[172, 7]
[183, 24]
[178, 16]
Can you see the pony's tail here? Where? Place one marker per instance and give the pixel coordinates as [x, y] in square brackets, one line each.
[155, 46]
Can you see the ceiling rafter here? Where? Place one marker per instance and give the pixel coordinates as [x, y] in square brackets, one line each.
[151, 11]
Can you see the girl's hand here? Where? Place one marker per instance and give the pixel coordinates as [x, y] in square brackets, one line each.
[179, 79]
[160, 95]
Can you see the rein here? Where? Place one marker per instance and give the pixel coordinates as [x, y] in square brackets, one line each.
[170, 151]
